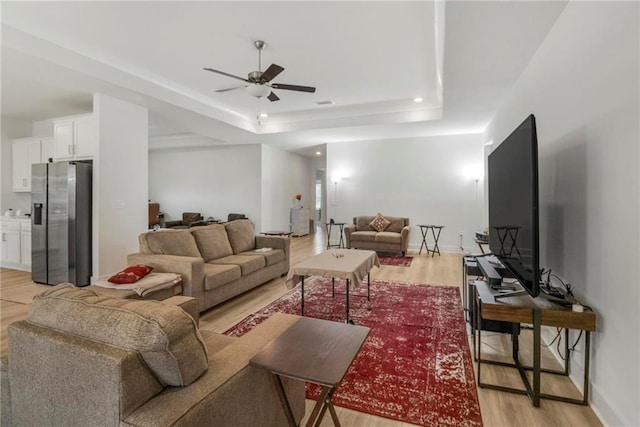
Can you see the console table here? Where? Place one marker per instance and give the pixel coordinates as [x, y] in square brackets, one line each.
[539, 312]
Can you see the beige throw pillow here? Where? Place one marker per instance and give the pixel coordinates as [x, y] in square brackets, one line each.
[380, 223]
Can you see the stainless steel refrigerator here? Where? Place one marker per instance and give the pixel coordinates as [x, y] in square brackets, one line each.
[61, 223]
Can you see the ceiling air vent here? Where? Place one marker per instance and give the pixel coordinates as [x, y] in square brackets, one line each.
[329, 102]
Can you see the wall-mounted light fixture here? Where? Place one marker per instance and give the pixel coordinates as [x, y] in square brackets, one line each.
[335, 179]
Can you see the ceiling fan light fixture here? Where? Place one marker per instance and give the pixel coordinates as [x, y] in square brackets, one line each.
[258, 90]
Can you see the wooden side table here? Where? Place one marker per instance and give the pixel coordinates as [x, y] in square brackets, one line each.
[316, 351]
[424, 229]
[329, 226]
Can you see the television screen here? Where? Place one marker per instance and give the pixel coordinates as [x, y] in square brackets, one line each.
[513, 205]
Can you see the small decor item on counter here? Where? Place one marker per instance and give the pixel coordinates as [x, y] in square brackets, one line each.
[296, 201]
[18, 212]
[8, 213]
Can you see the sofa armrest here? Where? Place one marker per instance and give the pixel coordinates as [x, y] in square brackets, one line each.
[348, 229]
[188, 304]
[191, 270]
[405, 237]
[275, 242]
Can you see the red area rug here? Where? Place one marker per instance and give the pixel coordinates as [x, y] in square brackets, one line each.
[415, 365]
[396, 261]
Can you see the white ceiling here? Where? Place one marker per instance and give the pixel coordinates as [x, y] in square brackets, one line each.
[370, 58]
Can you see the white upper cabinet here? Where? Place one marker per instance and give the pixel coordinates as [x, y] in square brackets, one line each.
[25, 152]
[74, 138]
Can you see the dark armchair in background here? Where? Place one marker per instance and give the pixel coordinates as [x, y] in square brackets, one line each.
[189, 219]
[235, 216]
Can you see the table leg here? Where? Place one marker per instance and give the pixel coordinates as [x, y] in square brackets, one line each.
[328, 404]
[302, 298]
[347, 304]
[424, 240]
[537, 321]
[320, 403]
[585, 385]
[369, 287]
[435, 238]
[341, 241]
[283, 400]
[333, 286]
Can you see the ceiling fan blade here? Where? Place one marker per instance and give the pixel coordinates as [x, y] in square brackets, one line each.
[271, 72]
[230, 88]
[293, 87]
[273, 97]
[226, 74]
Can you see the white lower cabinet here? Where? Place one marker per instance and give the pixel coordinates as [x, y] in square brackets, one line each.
[15, 243]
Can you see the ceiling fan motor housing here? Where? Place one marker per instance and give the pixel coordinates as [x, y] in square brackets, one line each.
[255, 77]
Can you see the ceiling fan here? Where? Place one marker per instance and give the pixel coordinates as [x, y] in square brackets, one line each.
[259, 82]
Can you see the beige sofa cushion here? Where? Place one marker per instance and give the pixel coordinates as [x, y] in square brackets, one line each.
[396, 225]
[364, 236]
[216, 275]
[166, 337]
[241, 235]
[389, 237]
[212, 242]
[363, 223]
[180, 243]
[273, 256]
[248, 263]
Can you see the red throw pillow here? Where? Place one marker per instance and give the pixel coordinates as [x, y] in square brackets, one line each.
[130, 274]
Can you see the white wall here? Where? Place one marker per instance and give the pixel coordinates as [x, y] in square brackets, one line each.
[582, 85]
[284, 175]
[120, 188]
[424, 179]
[214, 181]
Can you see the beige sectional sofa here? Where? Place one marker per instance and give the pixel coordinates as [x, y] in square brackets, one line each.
[362, 235]
[216, 262]
[84, 359]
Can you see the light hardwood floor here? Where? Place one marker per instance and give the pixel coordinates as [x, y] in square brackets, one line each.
[498, 408]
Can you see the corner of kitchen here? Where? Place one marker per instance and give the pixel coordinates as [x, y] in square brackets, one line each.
[49, 231]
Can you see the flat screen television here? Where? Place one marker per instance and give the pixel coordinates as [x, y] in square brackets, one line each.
[513, 205]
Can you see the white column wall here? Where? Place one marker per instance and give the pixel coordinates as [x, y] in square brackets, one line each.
[284, 175]
[120, 182]
[425, 179]
[582, 85]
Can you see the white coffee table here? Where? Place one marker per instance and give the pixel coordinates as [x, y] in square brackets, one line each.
[349, 264]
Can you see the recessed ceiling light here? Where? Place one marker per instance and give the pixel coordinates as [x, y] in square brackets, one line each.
[329, 102]
[264, 115]
[417, 100]
[318, 153]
